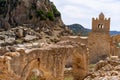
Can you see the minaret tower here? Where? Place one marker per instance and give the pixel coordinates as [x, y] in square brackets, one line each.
[99, 38]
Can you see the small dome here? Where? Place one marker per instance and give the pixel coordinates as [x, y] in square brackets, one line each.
[101, 16]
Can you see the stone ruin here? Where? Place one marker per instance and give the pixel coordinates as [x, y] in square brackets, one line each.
[115, 45]
[99, 39]
[46, 63]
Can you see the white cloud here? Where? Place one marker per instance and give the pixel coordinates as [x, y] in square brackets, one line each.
[82, 11]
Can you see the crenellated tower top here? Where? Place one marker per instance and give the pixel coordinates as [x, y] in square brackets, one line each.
[101, 24]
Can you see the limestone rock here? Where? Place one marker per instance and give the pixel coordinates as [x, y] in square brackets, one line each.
[106, 70]
[38, 15]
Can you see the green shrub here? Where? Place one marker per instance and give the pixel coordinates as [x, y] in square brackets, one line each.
[44, 15]
[41, 14]
[91, 66]
[34, 78]
[18, 41]
[69, 78]
[50, 16]
[55, 11]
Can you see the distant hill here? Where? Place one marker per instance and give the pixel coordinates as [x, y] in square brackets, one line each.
[114, 32]
[80, 30]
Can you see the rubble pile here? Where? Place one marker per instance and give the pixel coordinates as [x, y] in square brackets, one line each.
[106, 70]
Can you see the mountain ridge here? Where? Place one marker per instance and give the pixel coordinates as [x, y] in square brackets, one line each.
[78, 29]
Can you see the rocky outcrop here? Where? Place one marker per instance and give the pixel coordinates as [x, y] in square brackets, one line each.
[40, 15]
[18, 35]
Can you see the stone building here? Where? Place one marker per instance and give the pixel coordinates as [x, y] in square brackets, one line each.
[99, 39]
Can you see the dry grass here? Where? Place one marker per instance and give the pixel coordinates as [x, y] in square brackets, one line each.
[91, 66]
[68, 78]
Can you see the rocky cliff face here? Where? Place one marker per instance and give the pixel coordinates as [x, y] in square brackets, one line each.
[39, 15]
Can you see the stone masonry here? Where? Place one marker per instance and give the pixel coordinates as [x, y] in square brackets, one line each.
[45, 63]
[99, 39]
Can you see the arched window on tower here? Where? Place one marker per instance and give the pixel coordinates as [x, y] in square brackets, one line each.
[100, 26]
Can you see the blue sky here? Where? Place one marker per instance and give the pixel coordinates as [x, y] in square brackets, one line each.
[82, 11]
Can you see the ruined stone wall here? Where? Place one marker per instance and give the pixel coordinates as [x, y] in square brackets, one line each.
[72, 40]
[99, 46]
[116, 52]
[45, 63]
[112, 50]
[5, 70]
[80, 59]
[115, 49]
[78, 39]
[80, 63]
[48, 61]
